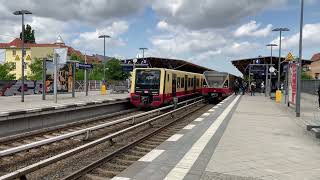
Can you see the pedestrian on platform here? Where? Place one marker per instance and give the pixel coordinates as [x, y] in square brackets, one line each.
[319, 96]
[236, 87]
[262, 87]
[252, 88]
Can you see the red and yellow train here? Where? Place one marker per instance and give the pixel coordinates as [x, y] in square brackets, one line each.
[155, 87]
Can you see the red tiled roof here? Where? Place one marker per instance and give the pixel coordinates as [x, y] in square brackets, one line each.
[316, 57]
[18, 43]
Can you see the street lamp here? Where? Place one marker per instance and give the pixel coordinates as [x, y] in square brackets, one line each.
[104, 54]
[22, 13]
[299, 65]
[280, 30]
[271, 46]
[143, 49]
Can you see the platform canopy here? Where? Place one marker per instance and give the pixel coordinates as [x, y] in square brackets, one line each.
[156, 62]
[242, 64]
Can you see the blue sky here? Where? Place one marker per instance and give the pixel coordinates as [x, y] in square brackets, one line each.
[208, 33]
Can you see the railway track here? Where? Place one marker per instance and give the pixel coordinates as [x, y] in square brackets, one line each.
[114, 163]
[57, 144]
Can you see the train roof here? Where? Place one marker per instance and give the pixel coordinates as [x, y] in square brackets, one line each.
[156, 62]
[169, 70]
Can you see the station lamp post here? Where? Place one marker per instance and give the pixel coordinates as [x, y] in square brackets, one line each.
[143, 49]
[271, 47]
[280, 30]
[299, 65]
[104, 54]
[22, 13]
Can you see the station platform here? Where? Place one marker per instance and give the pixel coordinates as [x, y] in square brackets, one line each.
[241, 138]
[13, 104]
[36, 115]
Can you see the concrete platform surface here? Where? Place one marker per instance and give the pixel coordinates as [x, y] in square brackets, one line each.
[241, 138]
[13, 103]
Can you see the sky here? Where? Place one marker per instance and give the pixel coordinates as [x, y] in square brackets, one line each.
[210, 33]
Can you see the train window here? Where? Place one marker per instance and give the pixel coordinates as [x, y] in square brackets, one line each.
[192, 82]
[189, 82]
[182, 82]
[178, 82]
[197, 82]
[168, 77]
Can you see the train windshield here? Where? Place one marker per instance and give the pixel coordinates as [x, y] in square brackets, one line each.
[147, 79]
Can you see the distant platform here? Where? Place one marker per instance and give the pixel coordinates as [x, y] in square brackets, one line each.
[13, 105]
[242, 138]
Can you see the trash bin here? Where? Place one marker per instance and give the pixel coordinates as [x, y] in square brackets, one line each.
[278, 96]
[103, 89]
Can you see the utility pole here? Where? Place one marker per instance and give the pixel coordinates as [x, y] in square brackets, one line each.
[22, 13]
[279, 61]
[143, 49]
[104, 54]
[299, 64]
[270, 86]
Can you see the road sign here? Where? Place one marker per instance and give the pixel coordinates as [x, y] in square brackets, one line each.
[28, 58]
[289, 57]
[17, 58]
[272, 69]
[84, 66]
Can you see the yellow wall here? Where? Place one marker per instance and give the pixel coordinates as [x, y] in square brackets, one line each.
[34, 52]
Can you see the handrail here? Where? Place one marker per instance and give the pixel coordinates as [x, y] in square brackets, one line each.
[33, 167]
[82, 131]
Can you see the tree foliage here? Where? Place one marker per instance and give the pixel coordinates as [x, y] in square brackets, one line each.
[5, 71]
[114, 71]
[306, 76]
[28, 35]
[36, 69]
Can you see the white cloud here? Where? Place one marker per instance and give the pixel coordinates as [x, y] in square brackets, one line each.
[90, 41]
[202, 14]
[310, 39]
[252, 29]
[78, 10]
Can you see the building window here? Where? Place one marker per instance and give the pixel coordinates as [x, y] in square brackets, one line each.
[14, 65]
[14, 52]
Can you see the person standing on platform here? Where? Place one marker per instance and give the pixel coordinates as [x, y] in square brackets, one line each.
[262, 87]
[319, 96]
[252, 88]
[236, 87]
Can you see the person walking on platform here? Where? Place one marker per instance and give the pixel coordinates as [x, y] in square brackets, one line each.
[252, 88]
[319, 96]
[236, 87]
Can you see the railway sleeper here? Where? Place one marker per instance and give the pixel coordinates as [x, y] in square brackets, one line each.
[112, 166]
[94, 177]
[139, 148]
[107, 173]
[131, 157]
[136, 153]
[147, 145]
[123, 162]
[153, 141]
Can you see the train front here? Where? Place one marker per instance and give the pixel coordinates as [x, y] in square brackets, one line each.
[145, 88]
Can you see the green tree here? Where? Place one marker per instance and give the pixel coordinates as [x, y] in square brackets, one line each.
[5, 71]
[114, 70]
[305, 76]
[28, 35]
[36, 70]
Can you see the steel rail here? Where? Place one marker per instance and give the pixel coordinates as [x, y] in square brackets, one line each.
[33, 167]
[82, 131]
[77, 174]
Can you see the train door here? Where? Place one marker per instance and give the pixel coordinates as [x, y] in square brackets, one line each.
[186, 83]
[174, 85]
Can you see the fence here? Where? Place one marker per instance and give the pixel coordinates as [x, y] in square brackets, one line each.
[310, 86]
[13, 87]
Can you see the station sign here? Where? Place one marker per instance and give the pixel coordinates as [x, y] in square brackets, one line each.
[84, 66]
